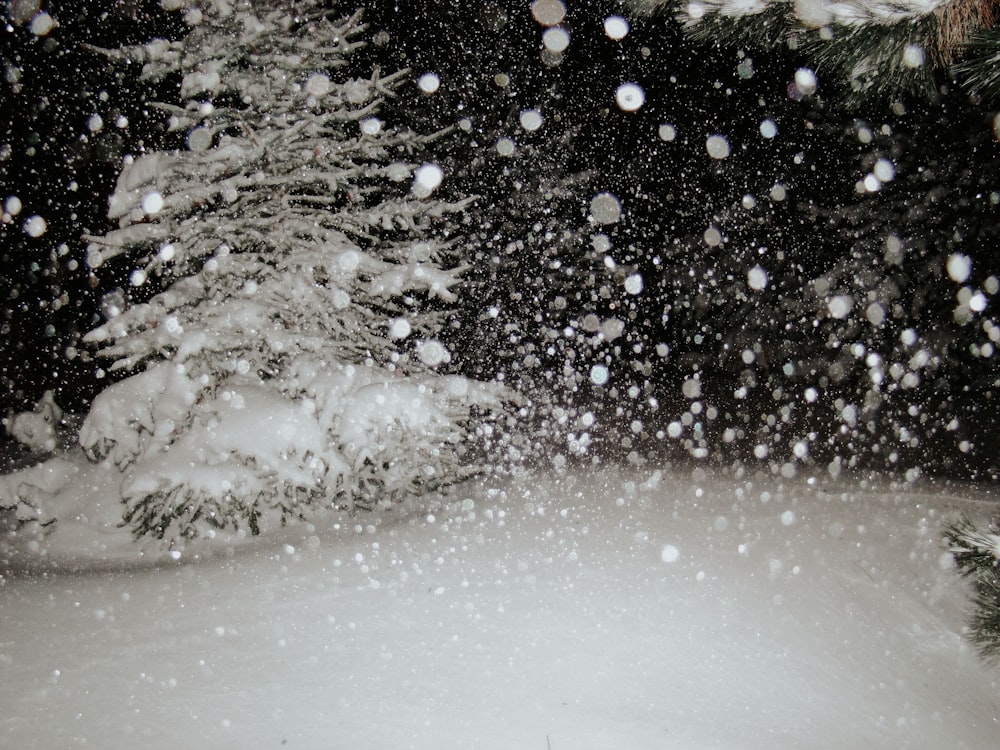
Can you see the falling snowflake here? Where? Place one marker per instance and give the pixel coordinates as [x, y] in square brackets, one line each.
[717, 146]
[35, 226]
[605, 208]
[548, 12]
[630, 97]
[616, 27]
[429, 83]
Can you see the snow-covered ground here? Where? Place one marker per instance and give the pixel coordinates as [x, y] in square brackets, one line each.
[594, 611]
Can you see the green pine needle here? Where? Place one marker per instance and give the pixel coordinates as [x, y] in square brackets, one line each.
[977, 555]
[980, 70]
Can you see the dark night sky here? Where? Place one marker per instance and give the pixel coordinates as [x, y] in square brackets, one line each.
[62, 168]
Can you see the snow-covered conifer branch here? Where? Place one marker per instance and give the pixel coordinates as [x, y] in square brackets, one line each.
[875, 49]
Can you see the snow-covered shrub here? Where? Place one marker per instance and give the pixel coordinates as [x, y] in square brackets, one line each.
[289, 275]
[36, 429]
[29, 492]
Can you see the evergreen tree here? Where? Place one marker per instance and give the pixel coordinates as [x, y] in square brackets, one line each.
[977, 555]
[287, 283]
[879, 50]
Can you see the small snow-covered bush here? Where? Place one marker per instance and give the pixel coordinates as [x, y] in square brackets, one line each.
[29, 492]
[36, 429]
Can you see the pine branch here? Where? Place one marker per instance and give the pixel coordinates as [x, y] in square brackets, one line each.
[877, 60]
[974, 550]
[977, 555]
[880, 50]
[980, 66]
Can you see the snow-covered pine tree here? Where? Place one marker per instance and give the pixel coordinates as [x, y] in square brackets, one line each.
[286, 356]
[977, 555]
[880, 49]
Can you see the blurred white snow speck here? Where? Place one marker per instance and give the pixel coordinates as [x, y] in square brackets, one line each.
[870, 184]
[548, 12]
[884, 169]
[531, 119]
[913, 56]
[556, 40]
[505, 147]
[370, 126]
[599, 374]
[42, 24]
[200, 139]
[959, 267]
[616, 27]
[433, 353]
[152, 203]
[398, 171]
[670, 553]
[768, 128]
[605, 208]
[667, 132]
[35, 226]
[691, 388]
[695, 10]
[399, 328]
[429, 82]
[612, 328]
[630, 97]
[633, 284]
[318, 84]
[757, 278]
[427, 179]
[875, 314]
[840, 306]
[22, 11]
[717, 146]
[805, 81]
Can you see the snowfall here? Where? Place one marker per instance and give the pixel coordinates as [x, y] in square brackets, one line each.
[604, 609]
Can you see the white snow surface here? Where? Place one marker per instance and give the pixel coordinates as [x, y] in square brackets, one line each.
[596, 610]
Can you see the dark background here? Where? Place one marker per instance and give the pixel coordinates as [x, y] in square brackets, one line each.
[695, 299]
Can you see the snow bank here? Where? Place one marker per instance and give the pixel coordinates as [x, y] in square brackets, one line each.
[592, 611]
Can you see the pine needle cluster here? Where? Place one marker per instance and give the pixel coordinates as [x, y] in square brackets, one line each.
[977, 555]
[874, 50]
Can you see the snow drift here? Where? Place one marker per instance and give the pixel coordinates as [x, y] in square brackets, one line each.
[592, 611]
